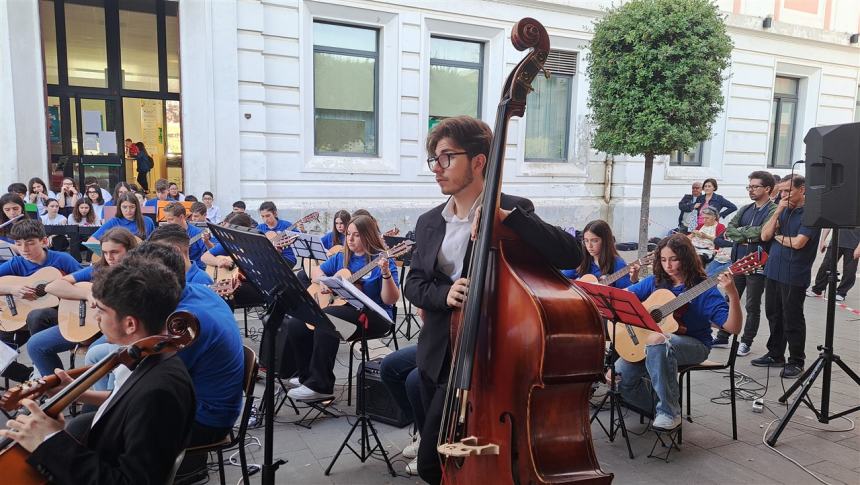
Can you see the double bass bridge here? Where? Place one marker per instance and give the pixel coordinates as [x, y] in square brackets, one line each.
[467, 447]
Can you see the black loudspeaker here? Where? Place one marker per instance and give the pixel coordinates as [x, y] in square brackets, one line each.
[380, 405]
[832, 176]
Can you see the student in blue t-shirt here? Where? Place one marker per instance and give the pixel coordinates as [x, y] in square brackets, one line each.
[244, 294]
[313, 352]
[130, 217]
[45, 345]
[161, 193]
[175, 214]
[337, 235]
[271, 225]
[176, 237]
[601, 257]
[677, 268]
[31, 244]
[787, 272]
[216, 359]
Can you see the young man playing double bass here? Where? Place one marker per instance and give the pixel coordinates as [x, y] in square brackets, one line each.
[458, 149]
[143, 424]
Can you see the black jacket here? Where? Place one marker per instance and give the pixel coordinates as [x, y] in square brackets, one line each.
[137, 438]
[719, 203]
[427, 287]
[685, 205]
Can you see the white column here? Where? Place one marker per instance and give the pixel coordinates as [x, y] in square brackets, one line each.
[210, 99]
[23, 128]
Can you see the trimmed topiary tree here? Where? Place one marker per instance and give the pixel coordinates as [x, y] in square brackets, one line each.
[656, 69]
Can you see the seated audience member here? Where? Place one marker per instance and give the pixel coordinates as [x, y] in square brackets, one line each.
[213, 213]
[106, 196]
[94, 195]
[83, 215]
[706, 233]
[174, 193]
[239, 206]
[39, 194]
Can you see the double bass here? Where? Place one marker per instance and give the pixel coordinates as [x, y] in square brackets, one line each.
[527, 344]
[183, 328]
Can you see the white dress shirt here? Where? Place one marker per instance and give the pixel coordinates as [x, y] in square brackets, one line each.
[457, 233]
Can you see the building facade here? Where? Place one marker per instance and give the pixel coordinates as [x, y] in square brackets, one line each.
[322, 105]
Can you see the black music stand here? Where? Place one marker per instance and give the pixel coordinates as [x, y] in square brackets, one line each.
[366, 306]
[408, 315]
[618, 306]
[265, 268]
[309, 247]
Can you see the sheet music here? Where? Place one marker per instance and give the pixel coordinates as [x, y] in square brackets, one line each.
[7, 356]
[354, 296]
[96, 248]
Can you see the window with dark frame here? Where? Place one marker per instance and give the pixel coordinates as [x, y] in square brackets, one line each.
[548, 122]
[692, 158]
[346, 90]
[134, 54]
[783, 122]
[456, 78]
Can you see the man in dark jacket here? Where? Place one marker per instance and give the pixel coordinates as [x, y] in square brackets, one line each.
[687, 217]
[458, 149]
[144, 423]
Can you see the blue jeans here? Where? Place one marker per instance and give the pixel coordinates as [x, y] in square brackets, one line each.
[44, 348]
[99, 350]
[661, 366]
[399, 373]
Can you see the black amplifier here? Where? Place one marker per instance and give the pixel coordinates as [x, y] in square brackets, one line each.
[380, 405]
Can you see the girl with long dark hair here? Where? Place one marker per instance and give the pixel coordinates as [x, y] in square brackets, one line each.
[601, 257]
[128, 216]
[337, 235]
[11, 206]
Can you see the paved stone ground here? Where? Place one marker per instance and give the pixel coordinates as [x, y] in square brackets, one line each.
[708, 453]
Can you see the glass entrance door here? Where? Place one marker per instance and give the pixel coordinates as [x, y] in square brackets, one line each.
[96, 140]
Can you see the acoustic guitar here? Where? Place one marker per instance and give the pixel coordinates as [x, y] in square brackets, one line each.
[275, 235]
[14, 310]
[327, 299]
[218, 273]
[662, 305]
[75, 318]
[607, 280]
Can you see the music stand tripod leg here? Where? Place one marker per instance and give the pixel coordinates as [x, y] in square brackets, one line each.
[363, 420]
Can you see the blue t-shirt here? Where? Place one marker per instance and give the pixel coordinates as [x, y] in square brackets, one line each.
[371, 283]
[788, 266]
[282, 225]
[154, 202]
[218, 250]
[622, 282]
[708, 308]
[83, 275]
[120, 221]
[328, 239]
[215, 361]
[196, 250]
[21, 266]
[110, 203]
[196, 275]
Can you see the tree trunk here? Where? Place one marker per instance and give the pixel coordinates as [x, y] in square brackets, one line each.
[646, 204]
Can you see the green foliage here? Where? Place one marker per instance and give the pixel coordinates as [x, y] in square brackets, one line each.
[656, 67]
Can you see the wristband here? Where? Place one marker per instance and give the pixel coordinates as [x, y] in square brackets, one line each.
[386, 277]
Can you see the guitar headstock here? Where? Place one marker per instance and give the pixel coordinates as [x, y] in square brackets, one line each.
[647, 259]
[394, 231]
[313, 216]
[286, 241]
[400, 248]
[224, 288]
[749, 263]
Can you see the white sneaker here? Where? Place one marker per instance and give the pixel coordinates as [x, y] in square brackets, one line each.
[743, 349]
[304, 393]
[411, 451]
[412, 467]
[811, 293]
[292, 383]
[840, 298]
[664, 422]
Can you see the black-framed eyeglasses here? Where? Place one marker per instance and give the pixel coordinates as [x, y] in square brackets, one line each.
[444, 160]
[754, 187]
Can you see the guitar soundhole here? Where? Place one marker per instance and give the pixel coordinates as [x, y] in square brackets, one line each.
[657, 315]
[40, 290]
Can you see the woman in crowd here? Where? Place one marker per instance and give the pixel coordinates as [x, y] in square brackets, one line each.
[714, 200]
[119, 189]
[11, 206]
[94, 195]
[39, 194]
[706, 233]
[128, 216]
[83, 214]
[69, 193]
[337, 235]
[52, 216]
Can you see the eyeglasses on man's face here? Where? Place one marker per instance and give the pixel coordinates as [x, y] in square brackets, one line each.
[750, 188]
[444, 159]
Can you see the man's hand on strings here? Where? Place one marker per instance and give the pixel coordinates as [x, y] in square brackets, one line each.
[503, 214]
[457, 293]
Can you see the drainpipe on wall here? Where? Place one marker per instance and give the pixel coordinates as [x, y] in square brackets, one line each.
[607, 178]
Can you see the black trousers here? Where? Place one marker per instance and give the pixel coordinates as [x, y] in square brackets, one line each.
[433, 398]
[754, 283]
[313, 352]
[849, 271]
[141, 180]
[784, 307]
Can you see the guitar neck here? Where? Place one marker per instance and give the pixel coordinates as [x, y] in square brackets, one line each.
[612, 278]
[689, 295]
[367, 268]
